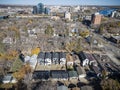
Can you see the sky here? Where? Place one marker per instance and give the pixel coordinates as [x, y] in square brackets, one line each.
[62, 2]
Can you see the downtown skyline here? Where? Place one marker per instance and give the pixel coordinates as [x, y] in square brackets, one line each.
[61, 2]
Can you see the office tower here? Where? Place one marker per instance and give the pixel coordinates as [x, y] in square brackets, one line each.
[40, 8]
[47, 11]
[96, 19]
[34, 9]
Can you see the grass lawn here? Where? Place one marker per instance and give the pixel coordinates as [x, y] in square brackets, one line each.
[16, 65]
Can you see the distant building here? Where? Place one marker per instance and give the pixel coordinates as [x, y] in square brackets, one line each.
[96, 19]
[40, 9]
[67, 15]
[47, 11]
[34, 9]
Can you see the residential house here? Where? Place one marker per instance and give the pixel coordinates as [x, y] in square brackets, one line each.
[41, 58]
[31, 60]
[69, 60]
[55, 58]
[43, 75]
[83, 58]
[9, 79]
[73, 75]
[96, 70]
[81, 72]
[59, 74]
[76, 59]
[48, 57]
[92, 60]
[62, 58]
[86, 88]
[62, 87]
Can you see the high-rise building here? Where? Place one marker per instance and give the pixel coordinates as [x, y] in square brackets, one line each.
[67, 15]
[40, 8]
[96, 19]
[34, 9]
[47, 11]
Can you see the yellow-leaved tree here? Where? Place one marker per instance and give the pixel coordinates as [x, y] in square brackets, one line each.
[35, 51]
[19, 75]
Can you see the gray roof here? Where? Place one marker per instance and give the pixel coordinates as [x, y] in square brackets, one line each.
[48, 55]
[55, 55]
[82, 56]
[96, 69]
[62, 87]
[80, 70]
[62, 55]
[73, 74]
[86, 88]
[41, 55]
[90, 57]
[59, 74]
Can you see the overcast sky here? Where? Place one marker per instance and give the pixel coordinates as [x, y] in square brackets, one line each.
[62, 2]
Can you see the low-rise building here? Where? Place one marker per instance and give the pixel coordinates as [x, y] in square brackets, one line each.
[73, 75]
[9, 79]
[92, 60]
[41, 58]
[115, 39]
[62, 87]
[41, 75]
[83, 58]
[55, 58]
[81, 72]
[48, 57]
[59, 75]
[86, 88]
[62, 58]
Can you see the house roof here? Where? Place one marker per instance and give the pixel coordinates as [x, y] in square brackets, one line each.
[82, 56]
[73, 74]
[41, 55]
[80, 70]
[55, 55]
[62, 87]
[41, 75]
[62, 55]
[90, 57]
[96, 69]
[9, 79]
[59, 74]
[48, 55]
[86, 88]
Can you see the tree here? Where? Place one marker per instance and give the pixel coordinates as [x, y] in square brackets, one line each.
[49, 31]
[22, 74]
[6, 86]
[110, 84]
[35, 51]
[84, 33]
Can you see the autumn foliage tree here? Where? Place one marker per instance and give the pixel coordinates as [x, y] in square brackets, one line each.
[19, 75]
[35, 51]
[84, 33]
